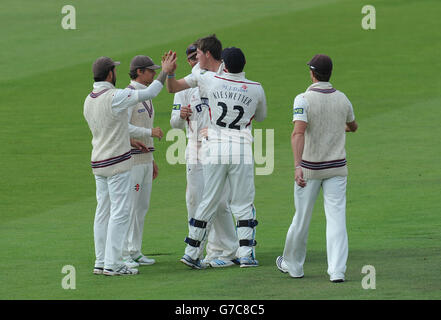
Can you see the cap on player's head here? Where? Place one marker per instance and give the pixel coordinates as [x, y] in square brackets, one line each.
[102, 66]
[191, 51]
[211, 44]
[143, 62]
[234, 59]
[321, 66]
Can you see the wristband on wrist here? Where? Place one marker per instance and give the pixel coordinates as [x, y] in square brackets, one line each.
[171, 75]
[297, 167]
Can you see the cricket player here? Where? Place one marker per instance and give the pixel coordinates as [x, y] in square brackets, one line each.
[322, 114]
[189, 113]
[145, 170]
[234, 102]
[105, 110]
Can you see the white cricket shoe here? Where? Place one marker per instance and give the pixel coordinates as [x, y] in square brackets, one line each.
[142, 260]
[130, 263]
[122, 271]
[281, 265]
[219, 263]
[337, 278]
[195, 264]
[246, 262]
[98, 270]
[205, 263]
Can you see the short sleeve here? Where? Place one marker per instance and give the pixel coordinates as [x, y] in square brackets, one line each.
[193, 78]
[300, 109]
[261, 108]
[350, 116]
[179, 100]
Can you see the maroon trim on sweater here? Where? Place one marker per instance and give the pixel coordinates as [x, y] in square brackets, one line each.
[331, 90]
[250, 121]
[96, 95]
[323, 165]
[256, 83]
[146, 106]
[111, 161]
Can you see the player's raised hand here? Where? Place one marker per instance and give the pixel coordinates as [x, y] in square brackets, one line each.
[169, 62]
[186, 112]
[166, 55]
[157, 133]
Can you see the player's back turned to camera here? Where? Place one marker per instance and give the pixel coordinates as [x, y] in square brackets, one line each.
[190, 113]
[234, 102]
[321, 116]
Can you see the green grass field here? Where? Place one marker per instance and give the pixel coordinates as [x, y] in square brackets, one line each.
[391, 75]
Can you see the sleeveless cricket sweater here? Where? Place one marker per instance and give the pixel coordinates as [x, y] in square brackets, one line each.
[324, 154]
[110, 134]
[142, 116]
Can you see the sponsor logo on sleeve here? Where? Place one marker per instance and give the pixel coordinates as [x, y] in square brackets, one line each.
[298, 110]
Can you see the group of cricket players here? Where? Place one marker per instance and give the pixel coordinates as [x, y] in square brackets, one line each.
[215, 104]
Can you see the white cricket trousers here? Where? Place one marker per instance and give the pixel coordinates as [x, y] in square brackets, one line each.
[240, 178]
[111, 219]
[141, 177]
[334, 194]
[222, 238]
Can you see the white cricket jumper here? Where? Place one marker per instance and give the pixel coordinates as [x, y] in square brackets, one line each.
[326, 111]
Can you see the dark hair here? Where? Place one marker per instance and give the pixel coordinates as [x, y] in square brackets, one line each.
[103, 76]
[134, 73]
[234, 59]
[212, 44]
[321, 77]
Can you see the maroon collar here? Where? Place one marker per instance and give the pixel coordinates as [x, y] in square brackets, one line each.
[96, 95]
[330, 90]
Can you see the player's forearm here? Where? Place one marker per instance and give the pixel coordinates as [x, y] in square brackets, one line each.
[174, 85]
[151, 92]
[171, 83]
[176, 122]
[162, 77]
[297, 144]
[139, 132]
